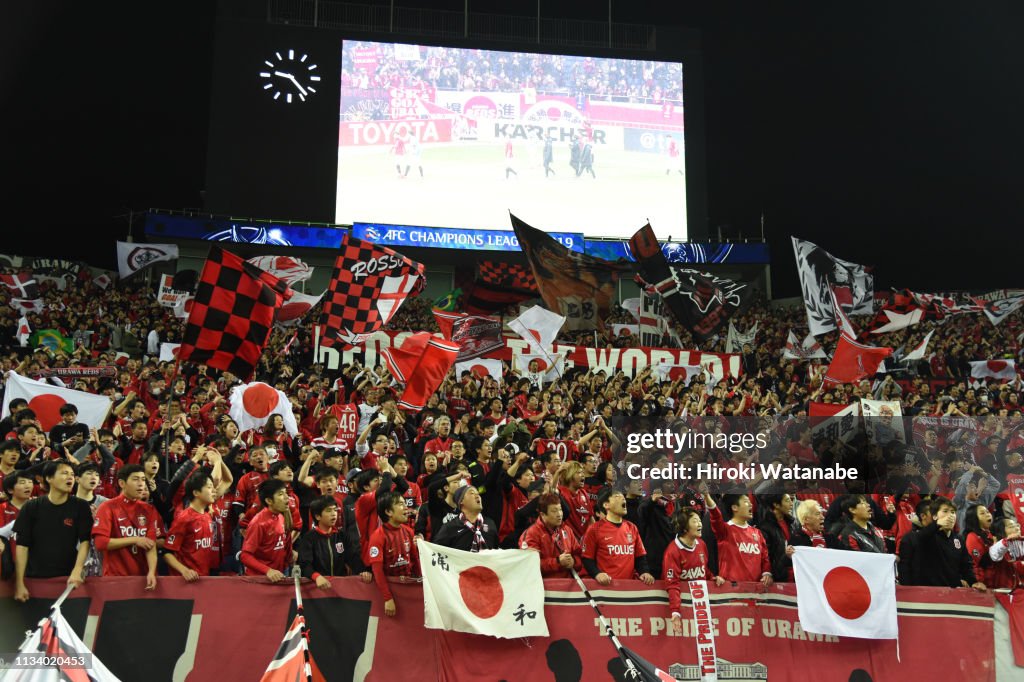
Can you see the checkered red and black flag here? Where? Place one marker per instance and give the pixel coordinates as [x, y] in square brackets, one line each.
[369, 285]
[232, 314]
[507, 276]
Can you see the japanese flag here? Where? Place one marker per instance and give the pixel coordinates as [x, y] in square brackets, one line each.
[46, 400]
[846, 594]
[253, 404]
[993, 369]
[480, 368]
[496, 592]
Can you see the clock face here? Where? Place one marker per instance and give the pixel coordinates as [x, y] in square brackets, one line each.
[290, 76]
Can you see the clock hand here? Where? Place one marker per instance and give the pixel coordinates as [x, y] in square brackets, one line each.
[282, 74]
[301, 89]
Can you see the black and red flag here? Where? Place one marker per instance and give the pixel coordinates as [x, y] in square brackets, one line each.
[582, 288]
[232, 314]
[700, 301]
[21, 285]
[369, 285]
[498, 285]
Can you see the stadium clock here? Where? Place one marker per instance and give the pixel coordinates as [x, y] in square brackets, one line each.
[290, 77]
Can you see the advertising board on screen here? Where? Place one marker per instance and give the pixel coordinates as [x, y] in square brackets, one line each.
[445, 137]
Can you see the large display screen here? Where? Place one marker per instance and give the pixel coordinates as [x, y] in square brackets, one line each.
[448, 136]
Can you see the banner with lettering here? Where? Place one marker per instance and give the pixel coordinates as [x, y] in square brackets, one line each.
[197, 630]
[609, 360]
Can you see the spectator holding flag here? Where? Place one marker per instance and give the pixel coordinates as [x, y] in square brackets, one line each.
[686, 558]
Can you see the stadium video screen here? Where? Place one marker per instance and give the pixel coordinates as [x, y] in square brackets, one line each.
[453, 137]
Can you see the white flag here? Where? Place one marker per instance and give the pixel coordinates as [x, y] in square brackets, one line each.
[550, 366]
[843, 323]
[46, 400]
[132, 257]
[538, 326]
[808, 350]
[24, 331]
[735, 340]
[846, 594]
[169, 351]
[993, 369]
[820, 271]
[670, 371]
[55, 634]
[288, 269]
[919, 352]
[883, 420]
[999, 309]
[495, 592]
[253, 404]
[479, 368]
[899, 321]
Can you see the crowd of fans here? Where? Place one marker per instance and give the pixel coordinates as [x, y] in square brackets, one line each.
[169, 484]
[375, 66]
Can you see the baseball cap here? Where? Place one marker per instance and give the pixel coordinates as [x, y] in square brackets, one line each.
[352, 473]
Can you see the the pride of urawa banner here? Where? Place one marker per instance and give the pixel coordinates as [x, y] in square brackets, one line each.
[227, 629]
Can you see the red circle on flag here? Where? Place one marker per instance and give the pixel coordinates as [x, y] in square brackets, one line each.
[535, 333]
[847, 592]
[259, 400]
[481, 590]
[996, 365]
[47, 409]
[542, 365]
[479, 371]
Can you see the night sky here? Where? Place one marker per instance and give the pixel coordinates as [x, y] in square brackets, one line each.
[890, 135]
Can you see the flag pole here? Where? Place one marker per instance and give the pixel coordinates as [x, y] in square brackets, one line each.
[49, 614]
[297, 575]
[631, 672]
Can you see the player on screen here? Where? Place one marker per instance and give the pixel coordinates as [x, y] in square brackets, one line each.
[673, 155]
[509, 160]
[549, 156]
[399, 149]
[413, 155]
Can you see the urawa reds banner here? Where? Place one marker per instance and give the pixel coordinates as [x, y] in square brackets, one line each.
[228, 629]
[609, 360]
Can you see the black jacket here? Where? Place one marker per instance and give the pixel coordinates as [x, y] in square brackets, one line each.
[929, 556]
[328, 555]
[656, 531]
[776, 542]
[858, 539]
[457, 535]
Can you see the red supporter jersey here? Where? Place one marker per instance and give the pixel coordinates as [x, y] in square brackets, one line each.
[614, 547]
[567, 449]
[8, 513]
[367, 521]
[551, 544]
[580, 511]
[246, 492]
[192, 539]
[742, 552]
[123, 518]
[438, 445]
[268, 545]
[395, 549]
[681, 564]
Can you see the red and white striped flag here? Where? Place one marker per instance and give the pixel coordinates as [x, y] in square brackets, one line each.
[293, 662]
